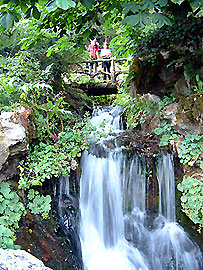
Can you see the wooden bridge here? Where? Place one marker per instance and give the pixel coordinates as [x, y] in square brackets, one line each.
[95, 86]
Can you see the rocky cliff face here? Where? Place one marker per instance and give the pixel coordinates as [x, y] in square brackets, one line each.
[168, 61]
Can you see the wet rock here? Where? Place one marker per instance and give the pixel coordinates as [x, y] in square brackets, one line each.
[20, 260]
[45, 239]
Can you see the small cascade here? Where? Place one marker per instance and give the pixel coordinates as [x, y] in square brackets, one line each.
[114, 226]
[165, 175]
[170, 246]
[108, 118]
[63, 192]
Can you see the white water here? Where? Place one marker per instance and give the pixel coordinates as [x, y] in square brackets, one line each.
[170, 248]
[102, 222]
[113, 230]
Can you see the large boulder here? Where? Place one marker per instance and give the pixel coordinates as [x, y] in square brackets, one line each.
[19, 259]
[14, 140]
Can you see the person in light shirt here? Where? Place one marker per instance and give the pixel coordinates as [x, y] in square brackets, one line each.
[106, 54]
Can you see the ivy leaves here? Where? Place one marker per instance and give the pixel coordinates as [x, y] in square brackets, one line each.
[39, 204]
[191, 149]
[11, 210]
[192, 198]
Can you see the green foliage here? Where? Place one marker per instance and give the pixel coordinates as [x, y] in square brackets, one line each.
[132, 36]
[141, 11]
[11, 210]
[39, 204]
[167, 38]
[21, 68]
[192, 199]
[103, 101]
[9, 96]
[139, 109]
[141, 14]
[191, 145]
[53, 158]
[78, 21]
[191, 149]
[199, 87]
[168, 133]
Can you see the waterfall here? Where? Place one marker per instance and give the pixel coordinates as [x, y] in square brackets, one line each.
[114, 231]
[170, 247]
[165, 175]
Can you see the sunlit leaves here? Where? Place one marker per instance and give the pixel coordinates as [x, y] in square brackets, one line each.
[39, 204]
[12, 209]
[7, 20]
[179, 2]
[191, 149]
[65, 4]
[56, 156]
[51, 6]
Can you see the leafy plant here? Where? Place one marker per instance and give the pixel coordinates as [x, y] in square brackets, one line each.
[39, 204]
[54, 158]
[139, 109]
[192, 199]
[9, 95]
[191, 149]
[199, 87]
[11, 210]
[168, 133]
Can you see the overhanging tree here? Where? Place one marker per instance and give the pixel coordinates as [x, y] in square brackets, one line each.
[79, 19]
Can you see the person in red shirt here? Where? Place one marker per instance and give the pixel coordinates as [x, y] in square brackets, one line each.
[93, 49]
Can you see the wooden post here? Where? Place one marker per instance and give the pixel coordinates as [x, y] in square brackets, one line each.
[113, 78]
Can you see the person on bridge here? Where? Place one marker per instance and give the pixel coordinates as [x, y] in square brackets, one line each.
[93, 49]
[106, 54]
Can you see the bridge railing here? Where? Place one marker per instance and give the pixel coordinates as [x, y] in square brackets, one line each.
[115, 69]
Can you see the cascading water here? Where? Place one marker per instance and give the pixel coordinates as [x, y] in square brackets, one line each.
[170, 246]
[113, 230]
